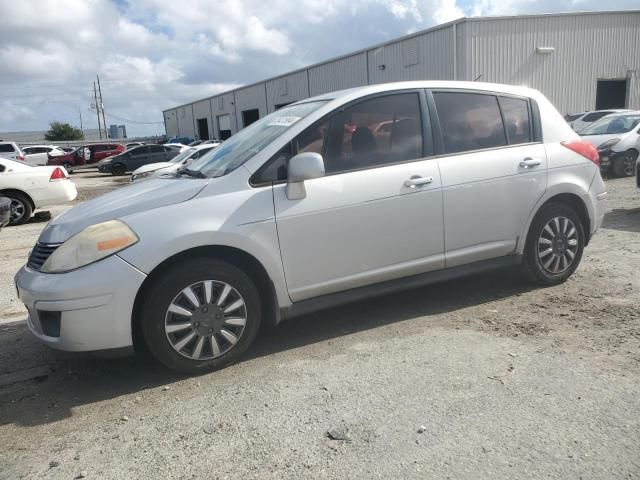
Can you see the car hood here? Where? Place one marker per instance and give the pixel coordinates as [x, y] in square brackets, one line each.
[128, 200]
[152, 167]
[597, 140]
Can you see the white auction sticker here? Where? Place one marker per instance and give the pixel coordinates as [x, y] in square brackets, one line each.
[284, 121]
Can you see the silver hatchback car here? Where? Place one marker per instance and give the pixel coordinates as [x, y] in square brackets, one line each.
[326, 201]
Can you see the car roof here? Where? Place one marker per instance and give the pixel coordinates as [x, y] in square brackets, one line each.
[435, 84]
[623, 113]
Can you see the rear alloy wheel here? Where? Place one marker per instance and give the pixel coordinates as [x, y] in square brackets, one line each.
[118, 169]
[201, 315]
[625, 164]
[554, 245]
[68, 167]
[21, 209]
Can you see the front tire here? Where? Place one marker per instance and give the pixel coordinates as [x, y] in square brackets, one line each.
[201, 315]
[21, 209]
[625, 164]
[118, 169]
[554, 246]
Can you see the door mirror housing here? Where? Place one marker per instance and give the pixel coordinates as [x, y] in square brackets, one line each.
[303, 166]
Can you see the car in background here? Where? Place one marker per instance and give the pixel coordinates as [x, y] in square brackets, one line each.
[135, 158]
[30, 188]
[86, 155]
[181, 160]
[179, 147]
[579, 121]
[12, 151]
[133, 144]
[5, 211]
[617, 138]
[68, 149]
[182, 140]
[39, 154]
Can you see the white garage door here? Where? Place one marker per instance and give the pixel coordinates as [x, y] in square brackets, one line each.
[224, 122]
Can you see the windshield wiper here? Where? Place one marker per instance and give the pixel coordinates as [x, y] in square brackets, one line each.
[191, 173]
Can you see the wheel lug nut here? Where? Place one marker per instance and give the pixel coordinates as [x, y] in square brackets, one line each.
[197, 324]
[211, 330]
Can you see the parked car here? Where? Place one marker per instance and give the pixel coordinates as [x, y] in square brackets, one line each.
[135, 158]
[581, 120]
[5, 211]
[617, 138]
[191, 264]
[30, 188]
[39, 154]
[177, 146]
[86, 155]
[182, 140]
[11, 150]
[181, 160]
[133, 144]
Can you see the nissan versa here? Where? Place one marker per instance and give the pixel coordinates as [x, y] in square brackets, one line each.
[327, 200]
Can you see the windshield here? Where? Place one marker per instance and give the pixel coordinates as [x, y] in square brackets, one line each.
[251, 140]
[612, 125]
[183, 155]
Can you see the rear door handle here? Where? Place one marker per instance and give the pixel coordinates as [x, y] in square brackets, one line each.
[530, 162]
[417, 180]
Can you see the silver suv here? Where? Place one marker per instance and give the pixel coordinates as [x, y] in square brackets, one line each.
[328, 200]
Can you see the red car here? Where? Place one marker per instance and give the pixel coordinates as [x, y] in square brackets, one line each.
[86, 155]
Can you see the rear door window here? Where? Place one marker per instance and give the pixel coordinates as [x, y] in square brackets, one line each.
[140, 151]
[469, 121]
[592, 117]
[156, 149]
[515, 112]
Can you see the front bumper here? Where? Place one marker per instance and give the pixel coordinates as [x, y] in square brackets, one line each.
[92, 305]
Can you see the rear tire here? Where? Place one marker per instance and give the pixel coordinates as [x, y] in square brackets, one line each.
[118, 169]
[554, 245]
[21, 209]
[625, 164]
[200, 338]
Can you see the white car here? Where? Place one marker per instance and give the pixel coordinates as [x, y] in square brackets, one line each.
[580, 121]
[12, 151]
[178, 146]
[182, 159]
[617, 138]
[39, 154]
[30, 188]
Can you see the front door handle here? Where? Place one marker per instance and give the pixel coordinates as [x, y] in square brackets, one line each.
[530, 162]
[417, 180]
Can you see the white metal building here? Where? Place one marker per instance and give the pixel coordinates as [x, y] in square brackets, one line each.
[580, 61]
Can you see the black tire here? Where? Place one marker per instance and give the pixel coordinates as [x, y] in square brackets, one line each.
[68, 167]
[21, 208]
[118, 169]
[625, 165]
[534, 267]
[167, 286]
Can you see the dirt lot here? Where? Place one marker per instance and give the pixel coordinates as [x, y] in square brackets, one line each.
[485, 377]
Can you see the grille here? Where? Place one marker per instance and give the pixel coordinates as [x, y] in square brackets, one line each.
[39, 255]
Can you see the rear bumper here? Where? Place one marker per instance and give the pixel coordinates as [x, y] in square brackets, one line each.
[84, 310]
[62, 191]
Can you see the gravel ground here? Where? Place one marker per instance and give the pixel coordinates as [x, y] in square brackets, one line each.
[483, 377]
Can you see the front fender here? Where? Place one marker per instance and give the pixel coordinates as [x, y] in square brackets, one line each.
[242, 219]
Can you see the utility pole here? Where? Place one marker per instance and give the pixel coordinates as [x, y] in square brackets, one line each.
[95, 96]
[104, 122]
[80, 113]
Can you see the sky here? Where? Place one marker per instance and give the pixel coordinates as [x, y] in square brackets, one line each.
[155, 54]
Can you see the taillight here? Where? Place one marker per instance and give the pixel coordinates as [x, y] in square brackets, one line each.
[57, 174]
[20, 157]
[584, 148]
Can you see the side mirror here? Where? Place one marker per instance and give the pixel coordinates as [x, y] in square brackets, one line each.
[304, 166]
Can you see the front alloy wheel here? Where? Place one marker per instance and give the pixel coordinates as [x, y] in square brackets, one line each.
[205, 320]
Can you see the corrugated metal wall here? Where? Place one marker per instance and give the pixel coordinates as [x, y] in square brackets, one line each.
[587, 47]
[338, 74]
[171, 123]
[202, 109]
[250, 98]
[223, 105]
[185, 121]
[425, 57]
[287, 89]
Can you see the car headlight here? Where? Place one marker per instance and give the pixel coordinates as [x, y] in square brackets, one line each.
[608, 144]
[138, 176]
[90, 245]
